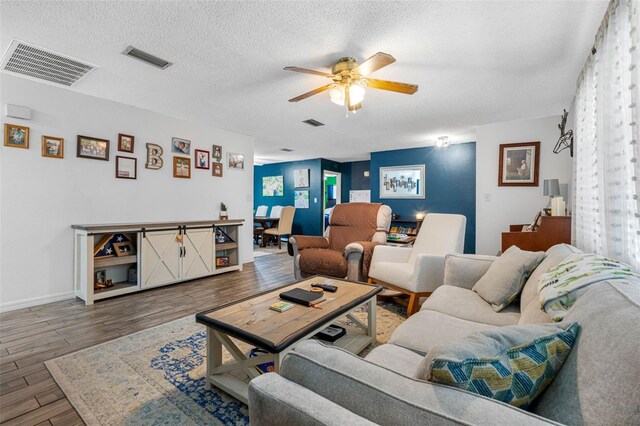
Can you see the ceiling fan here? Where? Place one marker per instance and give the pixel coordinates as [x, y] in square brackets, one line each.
[349, 81]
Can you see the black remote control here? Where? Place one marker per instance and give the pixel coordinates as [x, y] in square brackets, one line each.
[326, 287]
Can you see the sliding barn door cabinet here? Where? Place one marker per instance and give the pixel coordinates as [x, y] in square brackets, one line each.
[112, 260]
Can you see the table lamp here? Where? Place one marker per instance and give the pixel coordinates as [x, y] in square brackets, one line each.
[551, 188]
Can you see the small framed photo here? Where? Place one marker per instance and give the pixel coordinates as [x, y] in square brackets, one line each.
[235, 161]
[100, 277]
[216, 169]
[202, 159]
[125, 142]
[222, 261]
[16, 136]
[217, 153]
[52, 147]
[126, 167]
[182, 167]
[125, 248]
[301, 178]
[93, 148]
[519, 164]
[180, 146]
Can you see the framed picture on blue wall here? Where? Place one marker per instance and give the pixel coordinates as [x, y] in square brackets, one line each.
[402, 182]
[273, 186]
[301, 178]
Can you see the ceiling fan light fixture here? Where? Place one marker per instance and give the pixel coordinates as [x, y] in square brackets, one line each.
[337, 94]
[356, 93]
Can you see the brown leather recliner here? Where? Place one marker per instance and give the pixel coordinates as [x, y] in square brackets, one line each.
[346, 248]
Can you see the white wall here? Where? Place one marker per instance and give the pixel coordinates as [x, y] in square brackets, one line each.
[42, 197]
[512, 205]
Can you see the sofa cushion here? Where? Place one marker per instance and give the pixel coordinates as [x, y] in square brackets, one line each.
[506, 276]
[426, 329]
[553, 257]
[466, 304]
[511, 364]
[534, 314]
[388, 398]
[401, 360]
[323, 262]
[599, 381]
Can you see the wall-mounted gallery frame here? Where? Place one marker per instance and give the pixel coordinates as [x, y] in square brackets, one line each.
[93, 148]
[519, 164]
[216, 169]
[273, 186]
[402, 182]
[126, 167]
[125, 143]
[235, 161]
[182, 167]
[180, 146]
[202, 159]
[52, 147]
[301, 178]
[16, 136]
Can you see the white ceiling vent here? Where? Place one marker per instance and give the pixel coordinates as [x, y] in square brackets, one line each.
[35, 63]
[146, 57]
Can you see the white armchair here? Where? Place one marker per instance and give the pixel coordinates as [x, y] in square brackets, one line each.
[419, 270]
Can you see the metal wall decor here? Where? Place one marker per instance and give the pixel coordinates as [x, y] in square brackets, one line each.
[566, 138]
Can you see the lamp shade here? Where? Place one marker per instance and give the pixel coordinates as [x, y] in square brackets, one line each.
[551, 187]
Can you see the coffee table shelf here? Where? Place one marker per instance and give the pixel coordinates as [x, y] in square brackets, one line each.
[251, 321]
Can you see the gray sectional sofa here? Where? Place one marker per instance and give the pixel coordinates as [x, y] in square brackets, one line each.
[599, 383]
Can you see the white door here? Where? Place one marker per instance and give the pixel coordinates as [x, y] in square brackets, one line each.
[197, 258]
[160, 258]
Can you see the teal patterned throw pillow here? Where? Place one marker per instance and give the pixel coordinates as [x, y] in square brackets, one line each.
[511, 364]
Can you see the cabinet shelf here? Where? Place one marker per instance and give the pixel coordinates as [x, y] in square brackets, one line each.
[114, 261]
[226, 246]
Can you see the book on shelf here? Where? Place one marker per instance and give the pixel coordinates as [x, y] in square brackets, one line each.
[281, 306]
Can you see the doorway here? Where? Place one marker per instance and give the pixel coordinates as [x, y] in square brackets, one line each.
[331, 194]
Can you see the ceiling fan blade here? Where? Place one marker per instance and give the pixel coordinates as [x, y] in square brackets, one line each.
[392, 86]
[374, 63]
[306, 71]
[309, 94]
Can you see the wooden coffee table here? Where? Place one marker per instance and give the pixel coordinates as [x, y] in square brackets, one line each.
[250, 320]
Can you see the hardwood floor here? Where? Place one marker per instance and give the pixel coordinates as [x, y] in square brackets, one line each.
[29, 337]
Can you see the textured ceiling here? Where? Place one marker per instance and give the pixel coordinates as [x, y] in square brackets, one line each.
[476, 63]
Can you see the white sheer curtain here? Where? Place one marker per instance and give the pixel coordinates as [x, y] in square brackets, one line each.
[607, 160]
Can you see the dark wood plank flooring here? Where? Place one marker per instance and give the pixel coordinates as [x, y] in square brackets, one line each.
[29, 337]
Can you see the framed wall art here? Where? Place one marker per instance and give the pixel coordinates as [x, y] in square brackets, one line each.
[301, 199]
[180, 146]
[16, 136]
[402, 182]
[519, 164]
[217, 153]
[52, 147]
[202, 159]
[273, 186]
[93, 148]
[216, 169]
[126, 167]
[182, 167]
[235, 161]
[125, 142]
[301, 178]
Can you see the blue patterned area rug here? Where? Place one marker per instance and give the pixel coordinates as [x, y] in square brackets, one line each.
[156, 377]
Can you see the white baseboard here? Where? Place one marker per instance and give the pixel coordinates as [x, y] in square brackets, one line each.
[35, 301]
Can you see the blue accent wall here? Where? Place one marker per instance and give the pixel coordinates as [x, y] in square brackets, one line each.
[306, 221]
[353, 178]
[450, 183]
